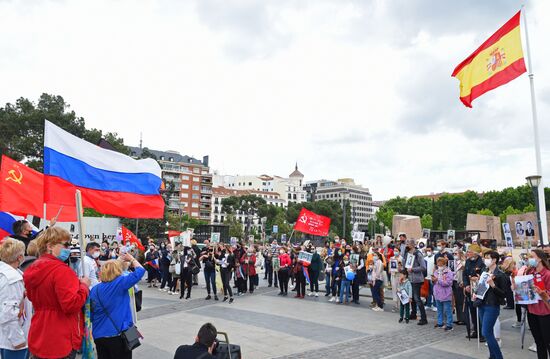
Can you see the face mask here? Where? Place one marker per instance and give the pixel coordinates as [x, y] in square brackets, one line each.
[488, 262]
[396, 254]
[95, 255]
[375, 259]
[429, 254]
[532, 262]
[74, 259]
[441, 267]
[64, 254]
[339, 253]
[439, 248]
[346, 262]
[282, 252]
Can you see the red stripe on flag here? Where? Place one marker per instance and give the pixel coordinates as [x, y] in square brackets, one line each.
[122, 204]
[506, 28]
[500, 78]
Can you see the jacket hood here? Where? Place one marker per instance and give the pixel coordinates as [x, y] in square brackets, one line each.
[40, 268]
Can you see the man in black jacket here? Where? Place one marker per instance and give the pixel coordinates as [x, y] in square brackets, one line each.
[472, 269]
[203, 347]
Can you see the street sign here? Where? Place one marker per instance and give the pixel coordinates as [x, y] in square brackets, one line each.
[275, 229]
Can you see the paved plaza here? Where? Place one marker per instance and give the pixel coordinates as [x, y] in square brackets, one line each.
[269, 326]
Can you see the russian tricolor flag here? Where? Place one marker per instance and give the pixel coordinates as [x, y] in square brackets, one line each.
[110, 182]
[6, 224]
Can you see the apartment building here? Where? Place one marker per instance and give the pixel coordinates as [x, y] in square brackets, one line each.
[187, 180]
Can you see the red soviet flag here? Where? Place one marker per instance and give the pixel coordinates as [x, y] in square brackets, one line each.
[21, 193]
[129, 236]
[312, 223]
[20, 189]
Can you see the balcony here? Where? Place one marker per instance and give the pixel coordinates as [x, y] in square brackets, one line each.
[174, 169]
[206, 190]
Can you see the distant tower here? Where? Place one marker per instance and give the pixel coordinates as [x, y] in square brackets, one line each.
[141, 140]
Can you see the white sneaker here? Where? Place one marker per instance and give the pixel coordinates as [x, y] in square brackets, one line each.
[316, 294]
[516, 325]
[171, 293]
[332, 299]
[161, 289]
[310, 294]
[533, 348]
[434, 309]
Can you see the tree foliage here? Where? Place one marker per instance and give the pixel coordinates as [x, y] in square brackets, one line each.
[22, 128]
[449, 211]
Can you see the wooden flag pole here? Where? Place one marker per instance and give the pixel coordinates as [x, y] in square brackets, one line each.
[79, 213]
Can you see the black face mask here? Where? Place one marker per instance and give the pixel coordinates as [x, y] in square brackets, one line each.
[73, 259]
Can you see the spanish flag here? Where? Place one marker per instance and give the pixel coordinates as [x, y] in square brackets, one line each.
[496, 62]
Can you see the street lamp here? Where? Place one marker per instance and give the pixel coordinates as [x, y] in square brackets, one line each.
[534, 183]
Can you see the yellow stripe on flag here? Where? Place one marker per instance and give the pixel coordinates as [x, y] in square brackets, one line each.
[507, 50]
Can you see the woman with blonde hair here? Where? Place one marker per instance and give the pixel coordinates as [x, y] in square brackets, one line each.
[15, 309]
[111, 308]
[57, 296]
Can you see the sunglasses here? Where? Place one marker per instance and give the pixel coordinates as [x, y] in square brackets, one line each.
[65, 244]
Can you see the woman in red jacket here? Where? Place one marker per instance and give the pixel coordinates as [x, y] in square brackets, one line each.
[284, 271]
[57, 296]
[249, 266]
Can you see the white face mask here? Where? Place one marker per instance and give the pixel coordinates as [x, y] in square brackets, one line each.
[95, 255]
[281, 252]
[441, 267]
[488, 262]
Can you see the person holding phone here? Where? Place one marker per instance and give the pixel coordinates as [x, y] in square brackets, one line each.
[538, 315]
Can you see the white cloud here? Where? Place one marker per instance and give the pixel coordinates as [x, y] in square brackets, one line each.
[346, 88]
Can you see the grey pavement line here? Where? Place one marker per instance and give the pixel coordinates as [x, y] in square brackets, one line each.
[380, 345]
[429, 352]
[185, 305]
[296, 327]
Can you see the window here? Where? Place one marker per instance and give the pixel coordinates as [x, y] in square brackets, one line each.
[196, 179]
[185, 178]
[195, 187]
[184, 186]
[195, 214]
[289, 196]
[195, 196]
[250, 183]
[196, 170]
[162, 158]
[195, 205]
[294, 196]
[185, 195]
[171, 159]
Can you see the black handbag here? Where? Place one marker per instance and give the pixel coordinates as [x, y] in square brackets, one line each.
[130, 336]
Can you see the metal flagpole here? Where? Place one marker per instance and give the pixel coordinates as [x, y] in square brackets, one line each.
[79, 212]
[44, 217]
[541, 199]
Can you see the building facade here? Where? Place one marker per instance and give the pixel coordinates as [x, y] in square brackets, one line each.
[219, 216]
[289, 189]
[345, 189]
[187, 180]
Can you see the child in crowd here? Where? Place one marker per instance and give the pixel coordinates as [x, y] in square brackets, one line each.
[442, 279]
[404, 286]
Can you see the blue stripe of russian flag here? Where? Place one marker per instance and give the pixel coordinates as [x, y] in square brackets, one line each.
[84, 175]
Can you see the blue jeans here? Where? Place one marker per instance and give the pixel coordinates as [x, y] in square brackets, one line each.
[430, 299]
[14, 354]
[345, 287]
[488, 315]
[327, 283]
[376, 293]
[210, 278]
[444, 307]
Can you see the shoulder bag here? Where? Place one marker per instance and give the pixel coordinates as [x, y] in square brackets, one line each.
[130, 336]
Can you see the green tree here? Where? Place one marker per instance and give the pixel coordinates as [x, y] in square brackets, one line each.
[508, 211]
[529, 208]
[235, 227]
[22, 128]
[426, 221]
[485, 212]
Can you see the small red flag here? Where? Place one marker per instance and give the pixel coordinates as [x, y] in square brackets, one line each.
[20, 189]
[312, 223]
[129, 236]
[22, 193]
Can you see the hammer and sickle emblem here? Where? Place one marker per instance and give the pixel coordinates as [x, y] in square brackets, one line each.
[303, 219]
[13, 177]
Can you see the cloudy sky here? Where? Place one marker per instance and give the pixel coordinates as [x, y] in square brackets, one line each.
[356, 89]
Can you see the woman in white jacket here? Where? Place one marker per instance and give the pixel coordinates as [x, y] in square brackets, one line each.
[15, 309]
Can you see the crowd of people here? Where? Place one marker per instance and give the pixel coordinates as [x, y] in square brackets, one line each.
[46, 279]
